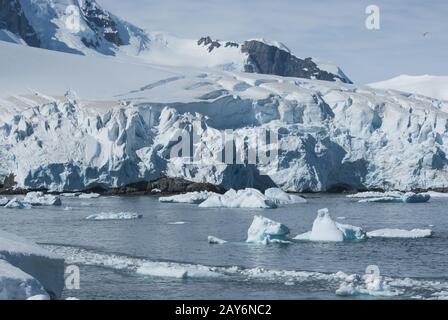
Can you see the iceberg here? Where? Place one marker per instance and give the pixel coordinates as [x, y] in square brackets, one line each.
[400, 233]
[375, 194]
[279, 197]
[382, 200]
[246, 198]
[411, 197]
[325, 229]
[3, 201]
[115, 216]
[195, 197]
[27, 270]
[88, 195]
[264, 231]
[17, 204]
[215, 240]
[41, 199]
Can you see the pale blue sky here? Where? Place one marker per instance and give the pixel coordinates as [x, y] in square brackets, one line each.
[332, 30]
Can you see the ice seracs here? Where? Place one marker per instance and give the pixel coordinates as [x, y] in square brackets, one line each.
[264, 231]
[400, 233]
[41, 199]
[279, 197]
[246, 198]
[28, 270]
[115, 216]
[325, 229]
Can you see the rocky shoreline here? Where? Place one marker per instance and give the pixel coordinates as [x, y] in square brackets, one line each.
[167, 186]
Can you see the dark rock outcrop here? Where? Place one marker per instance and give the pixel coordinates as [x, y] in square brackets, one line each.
[102, 23]
[267, 59]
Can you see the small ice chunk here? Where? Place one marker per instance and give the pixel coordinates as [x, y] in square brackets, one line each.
[264, 231]
[88, 195]
[69, 194]
[17, 204]
[196, 197]
[246, 198]
[39, 297]
[68, 208]
[115, 216]
[215, 240]
[41, 199]
[400, 233]
[156, 190]
[177, 222]
[279, 197]
[3, 201]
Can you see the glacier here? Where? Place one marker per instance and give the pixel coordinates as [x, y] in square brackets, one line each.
[332, 136]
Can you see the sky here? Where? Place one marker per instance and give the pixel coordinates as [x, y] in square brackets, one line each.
[412, 39]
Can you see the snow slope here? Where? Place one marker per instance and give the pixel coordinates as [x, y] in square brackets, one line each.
[84, 27]
[427, 85]
[27, 270]
[116, 126]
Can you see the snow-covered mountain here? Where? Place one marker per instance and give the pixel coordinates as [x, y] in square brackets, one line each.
[73, 26]
[430, 86]
[83, 27]
[115, 126]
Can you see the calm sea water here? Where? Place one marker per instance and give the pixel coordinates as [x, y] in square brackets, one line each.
[118, 259]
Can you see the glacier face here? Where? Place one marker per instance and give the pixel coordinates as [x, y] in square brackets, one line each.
[331, 135]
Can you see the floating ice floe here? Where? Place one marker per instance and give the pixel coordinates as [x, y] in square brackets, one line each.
[88, 195]
[408, 197]
[348, 284]
[400, 233]
[27, 270]
[369, 284]
[70, 194]
[246, 198]
[434, 194]
[215, 240]
[264, 231]
[375, 194]
[280, 197]
[115, 216]
[156, 190]
[177, 222]
[17, 204]
[325, 229]
[41, 199]
[196, 197]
